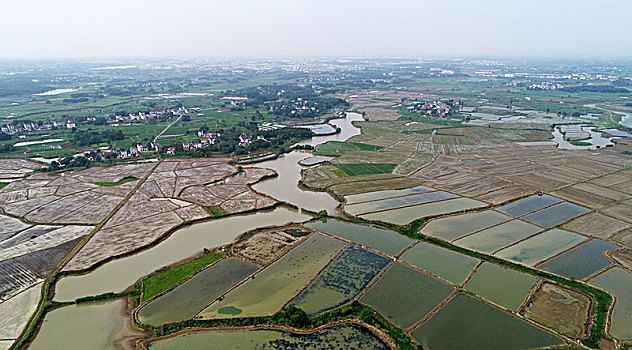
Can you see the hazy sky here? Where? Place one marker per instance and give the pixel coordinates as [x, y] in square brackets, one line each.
[419, 28]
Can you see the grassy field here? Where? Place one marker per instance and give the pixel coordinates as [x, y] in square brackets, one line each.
[366, 168]
[366, 147]
[164, 280]
[216, 211]
[334, 148]
[119, 182]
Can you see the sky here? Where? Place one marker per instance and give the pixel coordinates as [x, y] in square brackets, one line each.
[315, 28]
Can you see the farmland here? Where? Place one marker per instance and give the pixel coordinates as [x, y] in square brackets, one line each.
[388, 227]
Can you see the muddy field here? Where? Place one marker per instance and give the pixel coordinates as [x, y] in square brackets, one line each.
[265, 246]
[16, 168]
[175, 192]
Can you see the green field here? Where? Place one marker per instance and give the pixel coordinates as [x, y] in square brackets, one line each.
[119, 182]
[366, 168]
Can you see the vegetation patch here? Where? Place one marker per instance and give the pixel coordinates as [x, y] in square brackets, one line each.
[166, 278]
[334, 148]
[119, 182]
[216, 211]
[366, 168]
[423, 131]
[366, 147]
[2, 184]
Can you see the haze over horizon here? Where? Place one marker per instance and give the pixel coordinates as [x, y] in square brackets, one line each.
[289, 28]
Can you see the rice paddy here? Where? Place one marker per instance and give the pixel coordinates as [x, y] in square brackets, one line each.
[467, 323]
[528, 204]
[342, 281]
[537, 248]
[582, 261]
[266, 292]
[391, 203]
[451, 266]
[501, 286]
[385, 241]
[404, 295]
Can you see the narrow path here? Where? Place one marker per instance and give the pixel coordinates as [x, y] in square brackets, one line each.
[167, 128]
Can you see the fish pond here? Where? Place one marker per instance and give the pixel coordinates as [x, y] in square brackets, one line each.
[385, 241]
[618, 282]
[404, 216]
[345, 336]
[581, 261]
[467, 323]
[404, 295]
[342, 281]
[504, 287]
[556, 214]
[496, 237]
[528, 204]
[376, 195]
[186, 300]
[266, 292]
[454, 227]
[537, 248]
[451, 266]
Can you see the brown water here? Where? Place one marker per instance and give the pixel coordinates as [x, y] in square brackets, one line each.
[285, 186]
[119, 274]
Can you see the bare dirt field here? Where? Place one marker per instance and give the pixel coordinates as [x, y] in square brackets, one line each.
[597, 225]
[264, 247]
[561, 309]
[16, 168]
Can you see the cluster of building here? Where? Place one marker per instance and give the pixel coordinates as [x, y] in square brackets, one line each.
[33, 126]
[545, 86]
[134, 151]
[151, 115]
[207, 138]
[297, 106]
[435, 108]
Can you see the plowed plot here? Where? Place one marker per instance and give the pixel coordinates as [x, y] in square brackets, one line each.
[341, 282]
[452, 267]
[347, 336]
[582, 261]
[265, 246]
[596, 224]
[467, 323]
[189, 298]
[453, 227]
[618, 282]
[556, 214]
[15, 168]
[494, 238]
[559, 308]
[526, 205]
[385, 241]
[537, 248]
[504, 287]
[267, 291]
[404, 296]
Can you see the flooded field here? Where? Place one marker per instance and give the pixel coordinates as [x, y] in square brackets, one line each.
[451, 266]
[119, 274]
[404, 216]
[93, 327]
[266, 292]
[348, 336]
[342, 281]
[188, 299]
[528, 204]
[390, 203]
[453, 227]
[556, 214]
[385, 241]
[494, 238]
[561, 309]
[618, 282]
[504, 287]
[376, 195]
[467, 323]
[582, 261]
[404, 295]
[540, 247]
